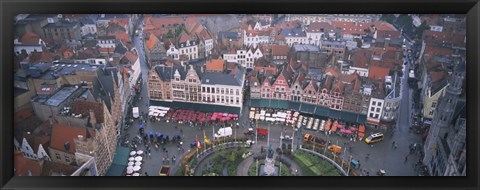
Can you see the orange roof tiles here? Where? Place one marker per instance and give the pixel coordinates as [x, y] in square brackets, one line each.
[25, 166]
[277, 50]
[106, 50]
[132, 57]
[436, 76]
[332, 71]
[376, 72]
[361, 58]
[351, 27]
[83, 107]
[215, 65]
[151, 42]
[62, 134]
[30, 38]
[383, 26]
[123, 37]
[319, 27]
[22, 114]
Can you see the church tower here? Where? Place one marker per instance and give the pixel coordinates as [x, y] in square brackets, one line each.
[437, 137]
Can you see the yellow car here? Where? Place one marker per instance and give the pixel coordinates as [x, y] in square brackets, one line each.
[377, 137]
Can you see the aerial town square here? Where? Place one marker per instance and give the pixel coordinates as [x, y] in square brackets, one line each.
[240, 95]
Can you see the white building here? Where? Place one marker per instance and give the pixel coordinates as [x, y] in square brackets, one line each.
[29, 152]
[261, 25]
[188, 46]
[106, 42]
[255, 38]
[361, 71]
[91, 61]
[311, 18]
[375, 109]
[244, 58]
[294, 36]
[223, 89]
[87, 27]
[136, 72]
[173, 52]
[208, 46]
[29, 43]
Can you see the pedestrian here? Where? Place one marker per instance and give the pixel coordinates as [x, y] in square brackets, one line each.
[406, 158]
[146, 174]
[393, 144]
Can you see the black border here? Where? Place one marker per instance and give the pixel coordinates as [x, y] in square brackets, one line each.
[12, 7]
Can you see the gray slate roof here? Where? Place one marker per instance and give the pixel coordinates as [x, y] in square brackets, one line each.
[223, 79]
[293, 32]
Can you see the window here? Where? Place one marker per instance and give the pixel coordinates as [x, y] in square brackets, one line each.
[434, 104]
[57, 155]
[378, 109]
[372, 109]
[373, 102]
[379, 103]
[376, 115]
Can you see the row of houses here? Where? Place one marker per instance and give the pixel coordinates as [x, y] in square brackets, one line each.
[211, 84]
[78, 93]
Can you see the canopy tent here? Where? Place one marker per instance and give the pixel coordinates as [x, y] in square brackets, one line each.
[119, 162]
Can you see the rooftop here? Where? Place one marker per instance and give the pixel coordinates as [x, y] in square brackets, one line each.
[59, 96]
[223, 79]
[50, 71]
[306, 47]
[293, 32]
[63, 136]
[61, 24]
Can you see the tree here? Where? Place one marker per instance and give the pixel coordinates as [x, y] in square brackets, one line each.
[388, 18]
[233, 156]
[169, 34]
[424, 26]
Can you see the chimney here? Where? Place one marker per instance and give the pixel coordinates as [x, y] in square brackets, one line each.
[387, 42]
[93, 120]
[80, 137]
[67, 146]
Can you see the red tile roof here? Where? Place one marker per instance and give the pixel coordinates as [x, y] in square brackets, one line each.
[123, 37]
[361, 58]
[277, 50]
[151, 42]
[132, 57]
[388, 34]
[376, 72]
[165, 21]
[383, 26]
[215, 65]
[436, 76]
[184, 37]
[332, 71]
[83, 107]
[50, 167]
[317, 27]
[44, 56]
[351, 27]
[62, 134]
[106, 50]
[22, 114]
[23, 165]
[30, 38]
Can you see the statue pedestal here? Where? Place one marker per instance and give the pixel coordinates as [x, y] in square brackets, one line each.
[269, 168]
